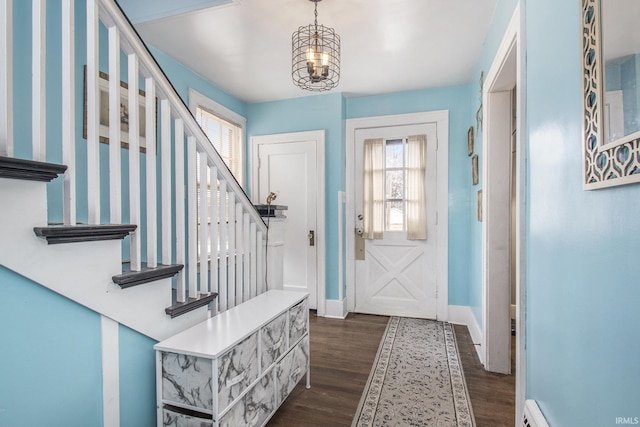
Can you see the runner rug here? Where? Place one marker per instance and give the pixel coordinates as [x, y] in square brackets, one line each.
[416, 379]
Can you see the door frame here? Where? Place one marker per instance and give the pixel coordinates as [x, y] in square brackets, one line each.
[441, 118]
[317, 136]
[501, 74]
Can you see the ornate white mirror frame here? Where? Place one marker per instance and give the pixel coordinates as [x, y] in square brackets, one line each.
[605, 164]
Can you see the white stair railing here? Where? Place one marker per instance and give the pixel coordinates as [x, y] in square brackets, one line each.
[216, 232]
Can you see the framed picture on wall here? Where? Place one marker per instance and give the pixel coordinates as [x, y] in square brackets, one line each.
[474, 169]
[103, 84]
[470, 141]
[480, 205]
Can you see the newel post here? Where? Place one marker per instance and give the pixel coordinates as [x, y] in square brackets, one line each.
[275, 220]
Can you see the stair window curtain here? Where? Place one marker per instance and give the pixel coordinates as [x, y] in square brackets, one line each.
[416, 188]
[373, 189]
[407, 188]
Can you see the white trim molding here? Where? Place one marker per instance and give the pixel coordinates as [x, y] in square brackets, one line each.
[110, 372]
[441, 118]
[196, 99]
[336, 309]
[463, 315]
[513, 38]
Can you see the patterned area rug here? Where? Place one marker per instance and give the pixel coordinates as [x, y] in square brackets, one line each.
[416, 379]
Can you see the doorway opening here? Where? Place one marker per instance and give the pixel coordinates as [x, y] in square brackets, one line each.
[503, 225]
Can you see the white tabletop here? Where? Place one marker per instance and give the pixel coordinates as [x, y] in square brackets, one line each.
[215, 335]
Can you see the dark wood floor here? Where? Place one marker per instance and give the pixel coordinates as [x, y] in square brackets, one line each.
[493, 396]
[342, 353]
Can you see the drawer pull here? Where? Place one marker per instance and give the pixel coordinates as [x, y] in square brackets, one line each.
[277, 344]
[235, 380]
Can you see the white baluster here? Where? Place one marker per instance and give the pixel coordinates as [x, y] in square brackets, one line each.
[223, 297]
[68, 113]
[253, 256]
[231, 282]
[213, 230]
[192, 219]
[179, 201]
[246, 265]
[166, 185]
[6, 78]
[260, 262]
[115, 163]
[150, 146]
[38, 78]
[93, 99]
[239, 255]
[204, 224]
[134, 161]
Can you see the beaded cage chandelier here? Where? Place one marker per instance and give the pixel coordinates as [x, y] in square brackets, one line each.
[316, 56]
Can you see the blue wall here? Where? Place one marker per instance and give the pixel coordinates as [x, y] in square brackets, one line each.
[329, 111]
[583, 339]
[454, 99]
[137, 379]
[184, 79]
[51, 358]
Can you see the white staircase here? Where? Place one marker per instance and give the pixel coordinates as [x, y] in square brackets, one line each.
[192, 253]
[81, 271]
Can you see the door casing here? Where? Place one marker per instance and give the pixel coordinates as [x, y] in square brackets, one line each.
[506, 71]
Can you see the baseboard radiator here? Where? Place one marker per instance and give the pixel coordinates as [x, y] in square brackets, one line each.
[533, 416]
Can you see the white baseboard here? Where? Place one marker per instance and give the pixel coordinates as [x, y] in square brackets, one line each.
[462, 315]
[336, 309]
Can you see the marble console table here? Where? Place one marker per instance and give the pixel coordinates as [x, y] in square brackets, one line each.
[235, 369]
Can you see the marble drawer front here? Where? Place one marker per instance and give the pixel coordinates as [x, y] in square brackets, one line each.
[298, 315]
[255, 407]
[237, 369]
[186, 380]
[291, 369]
[175, 419]
[274, 340]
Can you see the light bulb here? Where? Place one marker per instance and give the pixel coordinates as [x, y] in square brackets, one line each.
[325, 58]
[311, 55]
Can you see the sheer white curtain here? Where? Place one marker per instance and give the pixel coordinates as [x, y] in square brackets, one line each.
[373, 188]
[416, 188]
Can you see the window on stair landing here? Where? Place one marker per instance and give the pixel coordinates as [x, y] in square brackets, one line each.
[225, 129]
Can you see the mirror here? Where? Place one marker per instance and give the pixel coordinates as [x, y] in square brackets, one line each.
[611, 92]
[621, 59]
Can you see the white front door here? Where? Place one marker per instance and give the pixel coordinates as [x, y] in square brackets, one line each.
[398, 276]
[289, 169]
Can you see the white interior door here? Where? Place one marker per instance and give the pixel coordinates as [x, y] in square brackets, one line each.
[289, 169]
[398, 276]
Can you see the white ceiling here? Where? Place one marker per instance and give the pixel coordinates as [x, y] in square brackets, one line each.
[387, 45]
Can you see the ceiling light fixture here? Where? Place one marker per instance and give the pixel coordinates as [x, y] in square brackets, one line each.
[316, 56]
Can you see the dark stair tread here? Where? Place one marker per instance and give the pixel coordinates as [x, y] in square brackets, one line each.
[29, 170]
[191, 304]
[83, 233]
[133, 278]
